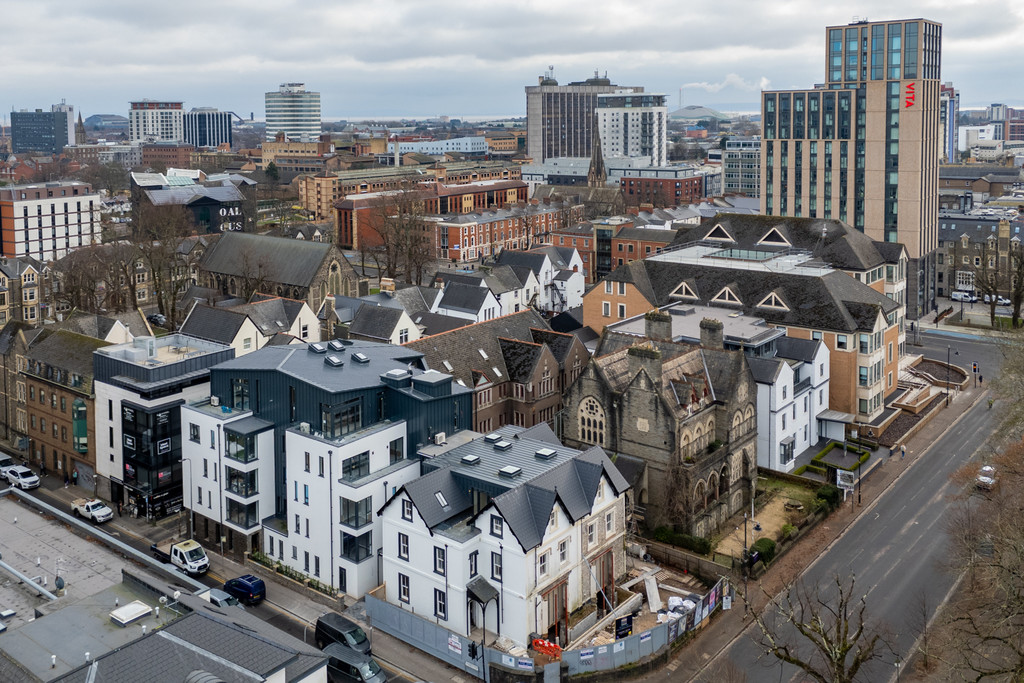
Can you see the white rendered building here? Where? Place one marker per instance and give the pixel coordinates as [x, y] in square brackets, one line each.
[156, 121]
[294, 111]
[633, 124]
[47, 220]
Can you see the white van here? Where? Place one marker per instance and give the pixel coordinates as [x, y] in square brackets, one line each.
[966, 297]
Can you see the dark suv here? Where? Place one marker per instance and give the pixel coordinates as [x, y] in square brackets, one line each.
[248, 589]
[334, 628]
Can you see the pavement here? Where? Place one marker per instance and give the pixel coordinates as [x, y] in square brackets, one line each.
[401, 659]
[394, 655]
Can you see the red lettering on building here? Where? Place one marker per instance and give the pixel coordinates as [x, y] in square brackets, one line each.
[908, 99]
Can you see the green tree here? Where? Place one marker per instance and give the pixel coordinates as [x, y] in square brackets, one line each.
[272, 172]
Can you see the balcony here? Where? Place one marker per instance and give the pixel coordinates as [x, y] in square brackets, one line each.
[243, 515]
[242, 484]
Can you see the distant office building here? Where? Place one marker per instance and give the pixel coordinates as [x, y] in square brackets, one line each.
[43, 131]
[864, 148]
[741, 166]
[153, 121]
[47, 220]
[1007, 122]
[207, 127]
[294, 111]
[560, 118]
[633, 125]
[949, 123]
[471, 146]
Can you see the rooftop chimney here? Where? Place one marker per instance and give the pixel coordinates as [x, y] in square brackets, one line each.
[658, 325]
[645, 356]
[711, 336]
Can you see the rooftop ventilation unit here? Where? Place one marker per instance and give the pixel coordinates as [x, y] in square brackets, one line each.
[546, 453]
[492, 438]
[317, 347]
[333, 361]
[502, 445]
[471, 459]
[510, 471]
[360, 358]
[336, 345]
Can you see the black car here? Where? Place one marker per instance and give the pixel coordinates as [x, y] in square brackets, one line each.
[248, 589]
[334, 628]
[157, 319]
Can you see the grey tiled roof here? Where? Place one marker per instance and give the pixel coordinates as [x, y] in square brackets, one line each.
[287, 261]
[190, 193]
[765, 370]
[521, 357]
[213, 323]
[375, 322]
[461, 347]
[469, 298]
[560, 343]
[272, 314]
[423, 492]
[796, 349]
[436, 323]
[416, 298]
[66, 350]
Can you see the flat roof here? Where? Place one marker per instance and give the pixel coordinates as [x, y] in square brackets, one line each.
[790, 261]
[686, 319]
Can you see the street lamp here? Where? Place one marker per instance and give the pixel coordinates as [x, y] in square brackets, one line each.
[746, 567]
[948, 349]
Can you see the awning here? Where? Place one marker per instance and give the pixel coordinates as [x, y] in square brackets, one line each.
[481, 591]
[836, 416]
[788, 440]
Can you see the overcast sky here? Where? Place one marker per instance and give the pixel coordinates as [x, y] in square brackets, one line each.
[461, 58]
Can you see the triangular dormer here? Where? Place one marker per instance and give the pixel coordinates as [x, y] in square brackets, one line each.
[684, 291]
[773, 301]
[719, 233]
[774, 237]
[726, 296]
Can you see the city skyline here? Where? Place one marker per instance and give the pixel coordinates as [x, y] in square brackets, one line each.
[453, 58]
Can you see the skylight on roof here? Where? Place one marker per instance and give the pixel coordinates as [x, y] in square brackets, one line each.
[483, 354]
[441, 500]
[496, 371]
[447, 365]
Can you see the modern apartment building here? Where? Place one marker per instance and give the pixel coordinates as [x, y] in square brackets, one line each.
[949, 123]
[47, 220]
[560, 118]
[294, 111]
[207, 127]
[864, 147]
[633, 125]
[741, 166]
[46, 132]
[156, 121]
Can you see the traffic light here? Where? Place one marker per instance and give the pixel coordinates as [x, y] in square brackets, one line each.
[975, 368]
[472, 649]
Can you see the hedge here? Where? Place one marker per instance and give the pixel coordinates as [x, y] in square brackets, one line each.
[765, 548]
[699, 545]
[832, 496]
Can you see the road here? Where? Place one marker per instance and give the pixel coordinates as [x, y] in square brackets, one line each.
[897, 546]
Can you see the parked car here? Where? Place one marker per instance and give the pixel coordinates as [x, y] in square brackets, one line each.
[248, 589]
[334, 628]
[6, 463]
[966, 297]
[345, 665]
[216, 596]
[986, 479]
[92, 508]
[22, 477]
[1000, 300]
[157, 319]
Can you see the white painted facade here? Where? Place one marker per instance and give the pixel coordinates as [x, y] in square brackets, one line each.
[318, 528]
[489, 308]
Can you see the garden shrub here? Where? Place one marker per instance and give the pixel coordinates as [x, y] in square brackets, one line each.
[831, 495]
[765, 548]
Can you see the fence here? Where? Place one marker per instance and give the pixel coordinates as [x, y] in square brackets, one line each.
[453, 648]
[692, 563]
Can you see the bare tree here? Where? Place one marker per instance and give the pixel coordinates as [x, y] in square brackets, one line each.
[398, 233]
[160, 231]
[981, 632]
[1015, 276]
[827, 634]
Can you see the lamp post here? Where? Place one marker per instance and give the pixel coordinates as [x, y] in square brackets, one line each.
[948, 349]
[746, 568]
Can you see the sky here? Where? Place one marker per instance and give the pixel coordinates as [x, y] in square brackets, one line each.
[461, 58]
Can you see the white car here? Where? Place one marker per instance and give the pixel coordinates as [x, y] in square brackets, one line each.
[986, 479]
[6, 463]
[22, 477]
[1000, 300]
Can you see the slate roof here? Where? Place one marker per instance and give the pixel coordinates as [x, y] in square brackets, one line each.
[8, 334]
[461, 347]
[529, 259]
[765, 370]
[436, 323]
[282, 260]
[560, 343]
[66, 350]
[567, 321]
[271, 314]
[460, 297]
[89, 324]
[521, 357]
[646, 234]
[375, 322]
[228, 648]
[213, 323]
[570, 477]
[971, 171]
[832, 301]
[416, 298]
[190, 193]
[830, 241]
[796, 349]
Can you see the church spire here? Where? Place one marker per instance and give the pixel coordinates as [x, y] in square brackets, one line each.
[79, 131]
[597, 176]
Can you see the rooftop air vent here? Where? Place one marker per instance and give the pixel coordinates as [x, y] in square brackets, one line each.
[492, 438]
[317, 347]
[502, 445]
[336, 345]
[333, 361]
[510, 471]
[471, 459]
[360, 358]
[546, 453]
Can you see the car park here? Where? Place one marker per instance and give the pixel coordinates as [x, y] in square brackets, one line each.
[248, 589]
[345, 665]
[22, 477]
[334, 628]
[986, 479]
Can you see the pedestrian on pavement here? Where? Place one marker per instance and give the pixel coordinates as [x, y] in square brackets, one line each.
[981, 379]
[74, 477]
[120, 505]
[42, 469]
[66, 480]
[903, 451]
